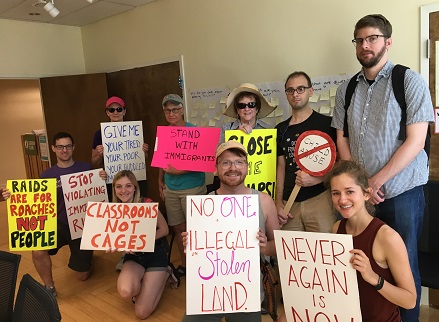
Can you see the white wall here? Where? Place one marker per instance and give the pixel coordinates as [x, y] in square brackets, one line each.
[228, 42]
[30, 50]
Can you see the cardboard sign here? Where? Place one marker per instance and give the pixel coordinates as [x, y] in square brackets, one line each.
[318, 282]
[186, 148]
[78, 189]
[315, 152]
[122, 142]
[222, 254]
[315, 155]
[261, 148]
[122, 226]
[32, 214]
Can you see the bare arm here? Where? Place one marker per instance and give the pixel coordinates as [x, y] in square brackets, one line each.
[402, 157]
[280, 180]
[162, 227]
[172, 170]
[389, 249]
[271, 223]
[161, 183]
[343, 148]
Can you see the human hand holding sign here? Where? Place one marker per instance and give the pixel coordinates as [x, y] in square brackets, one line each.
[315, 156]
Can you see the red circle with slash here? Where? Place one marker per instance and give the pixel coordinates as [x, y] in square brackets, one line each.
[315, 153]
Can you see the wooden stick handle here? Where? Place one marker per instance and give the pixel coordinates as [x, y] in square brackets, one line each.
[291, 199]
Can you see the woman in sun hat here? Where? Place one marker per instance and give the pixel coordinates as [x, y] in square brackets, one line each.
[249, 106]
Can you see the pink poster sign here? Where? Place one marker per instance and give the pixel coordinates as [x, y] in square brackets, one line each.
[186, 148]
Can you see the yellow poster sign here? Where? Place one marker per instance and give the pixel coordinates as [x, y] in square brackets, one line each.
[261, 148]
[32, 214]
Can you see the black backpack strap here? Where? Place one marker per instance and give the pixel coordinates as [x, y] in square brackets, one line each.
[347, 101]
[398, 76]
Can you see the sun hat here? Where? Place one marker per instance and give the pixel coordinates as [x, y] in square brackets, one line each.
[266, 108]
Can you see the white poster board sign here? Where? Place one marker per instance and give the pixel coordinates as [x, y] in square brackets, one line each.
[121, 226]
[222, 254]
[318, 282]
[78, 189]
[122, 142]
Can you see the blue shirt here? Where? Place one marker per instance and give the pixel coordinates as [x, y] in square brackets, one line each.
[186, 180]
[373, 124]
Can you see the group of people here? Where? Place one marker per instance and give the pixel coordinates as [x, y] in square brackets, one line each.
[377, 171]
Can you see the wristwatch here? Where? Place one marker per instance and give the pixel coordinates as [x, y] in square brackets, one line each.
[380, 283]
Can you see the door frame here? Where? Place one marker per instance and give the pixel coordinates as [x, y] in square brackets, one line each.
[424, 36]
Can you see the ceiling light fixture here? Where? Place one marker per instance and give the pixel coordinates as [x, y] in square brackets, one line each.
[90, 1]
[51, 9]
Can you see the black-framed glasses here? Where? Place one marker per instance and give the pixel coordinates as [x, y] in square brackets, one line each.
[173, 111]
[242, 106]
[68, 147]
[227, 164]
[298, 90]
[369, 39]
[117, 109]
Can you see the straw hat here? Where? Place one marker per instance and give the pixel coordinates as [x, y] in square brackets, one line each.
[266, 108]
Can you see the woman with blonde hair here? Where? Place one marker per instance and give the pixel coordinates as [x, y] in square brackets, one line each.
[143, 276]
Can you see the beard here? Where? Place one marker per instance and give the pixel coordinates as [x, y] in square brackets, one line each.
[232, 181]
[372, 62]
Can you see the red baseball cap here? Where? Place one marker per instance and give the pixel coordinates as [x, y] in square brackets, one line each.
[115, 99]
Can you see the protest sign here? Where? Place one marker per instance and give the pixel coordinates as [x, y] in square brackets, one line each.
[122, 142]
[314, 154]
[261, 148]
[222, 254]
[32, 214]
[78, 189]
[316, 276]
[122, 226]
[186, 148]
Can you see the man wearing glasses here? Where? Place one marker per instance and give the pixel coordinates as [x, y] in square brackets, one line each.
[232, 168]
[312, 209]
[398, 167]
[175, 185]
[80, 260]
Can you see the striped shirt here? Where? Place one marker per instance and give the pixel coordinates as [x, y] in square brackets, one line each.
[373, 118]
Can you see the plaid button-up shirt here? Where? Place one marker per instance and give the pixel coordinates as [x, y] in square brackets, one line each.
[373, 122]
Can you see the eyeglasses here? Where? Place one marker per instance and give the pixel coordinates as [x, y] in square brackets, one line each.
[227, 164]
[118, 109]
[357, 42]
[299, 90]
[242, 106]
[173, 111]
[68, 147]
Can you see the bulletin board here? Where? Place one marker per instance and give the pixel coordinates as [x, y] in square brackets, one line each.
[207, 105]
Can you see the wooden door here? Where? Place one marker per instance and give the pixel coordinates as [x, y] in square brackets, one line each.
[143, 89]
[434, 148]
[74, 104]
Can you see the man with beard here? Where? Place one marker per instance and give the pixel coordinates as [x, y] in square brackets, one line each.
[397, 168]
[312, 209]
[232, 168]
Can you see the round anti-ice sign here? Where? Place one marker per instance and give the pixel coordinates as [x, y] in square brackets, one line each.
[315, 153]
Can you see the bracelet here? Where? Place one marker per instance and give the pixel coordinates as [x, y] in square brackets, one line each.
[380, 283]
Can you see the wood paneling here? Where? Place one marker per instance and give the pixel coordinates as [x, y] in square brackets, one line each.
[434, 145]
[143, 89]
[74, 104]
